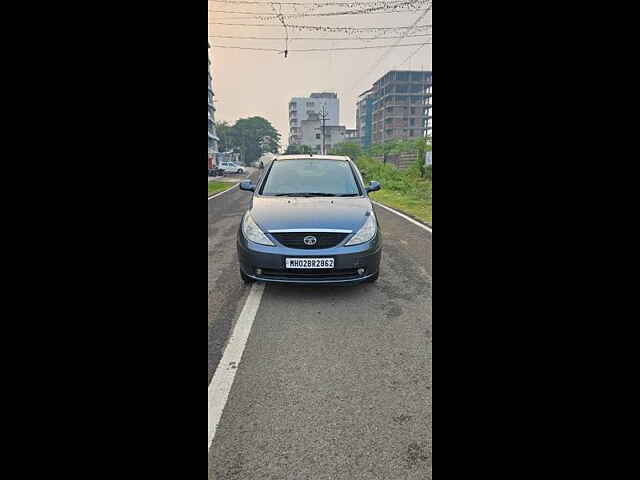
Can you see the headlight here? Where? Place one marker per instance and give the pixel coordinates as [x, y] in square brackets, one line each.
[252, 232]
[366, 233]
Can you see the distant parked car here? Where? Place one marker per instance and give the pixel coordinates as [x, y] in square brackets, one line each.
[215, 172]
[230, 167]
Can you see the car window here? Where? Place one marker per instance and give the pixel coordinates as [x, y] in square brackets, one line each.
[311, 177]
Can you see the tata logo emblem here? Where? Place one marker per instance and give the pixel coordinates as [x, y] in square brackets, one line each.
[309, 241]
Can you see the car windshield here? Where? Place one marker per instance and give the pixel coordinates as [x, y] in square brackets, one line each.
[311, 178]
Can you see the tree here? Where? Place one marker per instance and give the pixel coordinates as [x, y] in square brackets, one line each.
[225, 134]
[251, 137]
[352, 150]
[298, 150]
[255, 136]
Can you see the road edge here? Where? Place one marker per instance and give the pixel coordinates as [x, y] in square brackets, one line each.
[220, 193]
[223, 378]
[413, 220]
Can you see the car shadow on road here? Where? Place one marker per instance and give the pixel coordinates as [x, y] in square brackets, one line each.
[344, 292]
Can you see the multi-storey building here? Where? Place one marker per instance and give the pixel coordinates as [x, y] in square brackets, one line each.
[364, 118]
[304, 109]
[311, 133]
[401, 103]
[212, 146]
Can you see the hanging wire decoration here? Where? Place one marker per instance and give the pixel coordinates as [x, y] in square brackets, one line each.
[361, 8]
[351, 4]
[319, 28]
[385, 8]
[284, 24]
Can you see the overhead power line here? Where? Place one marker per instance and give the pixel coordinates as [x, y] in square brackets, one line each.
[250, 48]
[412, 55]
[408, 31]
[315, 4]
[316, 49]
[354, 48]
[320, 38]
[326, 14]
[323, 28]
[385, 8]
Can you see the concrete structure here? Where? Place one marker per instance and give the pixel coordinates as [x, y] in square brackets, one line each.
[401, 102]
[311, 134]
[401, 161]
[305, 109]
[364, 118]
[212, 147]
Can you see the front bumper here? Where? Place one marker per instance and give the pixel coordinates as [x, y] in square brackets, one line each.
[347, 260]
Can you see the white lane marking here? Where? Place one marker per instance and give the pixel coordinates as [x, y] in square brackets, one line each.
[404, 216]
[222, 381]
[218, 194]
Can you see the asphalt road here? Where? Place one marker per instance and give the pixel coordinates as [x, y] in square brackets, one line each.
[335, 382]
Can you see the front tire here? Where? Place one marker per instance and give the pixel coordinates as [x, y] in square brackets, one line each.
[245, 278]
[240, 170]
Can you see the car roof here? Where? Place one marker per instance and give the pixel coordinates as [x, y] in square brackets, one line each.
[314, 157]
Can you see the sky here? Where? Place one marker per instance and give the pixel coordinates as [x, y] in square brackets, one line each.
[261, 83]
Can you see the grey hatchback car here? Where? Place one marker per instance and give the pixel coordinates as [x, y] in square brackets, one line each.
[310, 221]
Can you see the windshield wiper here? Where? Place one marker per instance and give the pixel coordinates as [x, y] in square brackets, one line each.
[306, 194]
[349, 195]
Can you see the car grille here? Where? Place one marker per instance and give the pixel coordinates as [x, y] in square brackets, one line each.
[296, 240]
[311, 274]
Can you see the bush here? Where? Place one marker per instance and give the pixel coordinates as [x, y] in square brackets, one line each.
[415, 181]
[409, 182]
[350, 149]
[298, 150]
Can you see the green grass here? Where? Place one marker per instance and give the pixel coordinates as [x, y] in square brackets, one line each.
[404, 190]
[412, 206]
[216, 187]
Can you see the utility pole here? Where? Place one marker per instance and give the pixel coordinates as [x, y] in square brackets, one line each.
[323, 117]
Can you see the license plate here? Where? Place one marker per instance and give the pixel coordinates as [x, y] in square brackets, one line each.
[309, 262]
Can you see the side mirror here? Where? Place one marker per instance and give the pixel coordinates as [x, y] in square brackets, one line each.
[247, 186]
[373, 187]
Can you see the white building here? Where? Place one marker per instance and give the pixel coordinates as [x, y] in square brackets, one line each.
[311, 135]
[305, 109]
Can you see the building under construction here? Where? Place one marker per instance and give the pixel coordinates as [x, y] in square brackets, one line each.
[364, 119]
[401, 104]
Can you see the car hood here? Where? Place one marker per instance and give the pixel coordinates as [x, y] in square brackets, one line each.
[280, 213]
